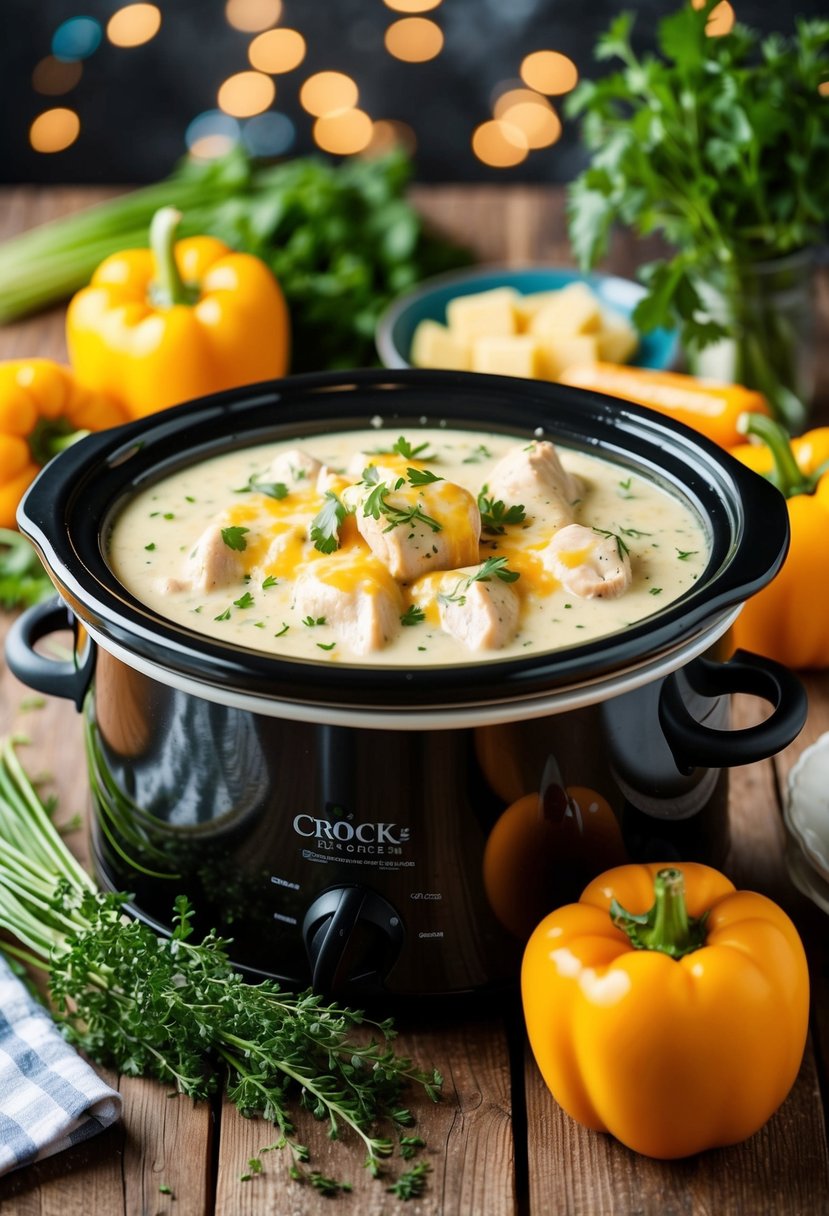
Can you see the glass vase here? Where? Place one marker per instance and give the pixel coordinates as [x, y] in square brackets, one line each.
[769, 310]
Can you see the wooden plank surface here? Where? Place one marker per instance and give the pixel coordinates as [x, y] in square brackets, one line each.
[558, 1168]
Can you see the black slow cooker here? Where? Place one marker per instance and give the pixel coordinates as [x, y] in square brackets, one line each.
[332, 820]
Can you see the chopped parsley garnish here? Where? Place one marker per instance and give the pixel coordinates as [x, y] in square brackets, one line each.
[413, 615]
[624, 488]
[480, 453]
[273, 489]
[269, 582]
[376, 505]
[150, 546]
[311, 621]
[496, 514]
[234, 538]
[168, 515]
[684, 554]
[326, 645]
[421, 477]
[326, 524]
[655, 591]
[164, 1189]
[621, 547]
[492, 565]
[189, 498]
[634, 533]
[223, 616]
[404, 448]
[244, 601]
[282, 631]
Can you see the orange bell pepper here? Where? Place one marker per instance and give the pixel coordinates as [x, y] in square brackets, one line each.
[787, 620]
[42, 409]
[676, 1026]
[159, 326]
[708, 406]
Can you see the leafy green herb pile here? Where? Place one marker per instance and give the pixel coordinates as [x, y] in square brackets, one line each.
[719, 143]
[177, 1010]
[23, 580]
[342, 241]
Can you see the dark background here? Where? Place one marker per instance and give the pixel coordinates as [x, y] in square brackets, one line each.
[135, 104]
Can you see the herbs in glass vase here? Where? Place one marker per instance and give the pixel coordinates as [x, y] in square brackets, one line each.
[720, 144]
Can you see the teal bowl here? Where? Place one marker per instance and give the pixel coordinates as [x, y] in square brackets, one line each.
[659, 349]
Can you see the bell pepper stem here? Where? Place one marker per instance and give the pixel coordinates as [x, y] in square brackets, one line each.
[788, 476]
[168, 287]
[667, 927]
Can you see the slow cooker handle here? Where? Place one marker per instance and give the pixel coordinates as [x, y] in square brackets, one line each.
[696, 746]
[68, 678]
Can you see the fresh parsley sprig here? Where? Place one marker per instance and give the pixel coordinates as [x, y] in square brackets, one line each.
[493, 566]
[376, 504]
[326, 524]
[495, 514]
[405, 449]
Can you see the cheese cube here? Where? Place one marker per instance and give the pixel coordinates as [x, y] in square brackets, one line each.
[434, 346]
[575, 310]
[485, 314]
[563, 351]
[513, 355]
[529, 306]
[617, 340]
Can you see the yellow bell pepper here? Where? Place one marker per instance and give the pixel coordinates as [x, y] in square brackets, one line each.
[159, 326]
[787, 620]
[42, 409]
[675, 1022]
[710, 407]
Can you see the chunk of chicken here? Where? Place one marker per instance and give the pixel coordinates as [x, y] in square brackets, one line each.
[588, 563]
[357, 598]
[535, 477]
[294, 468]
[481, 615]
[212, 563]
[419, 528]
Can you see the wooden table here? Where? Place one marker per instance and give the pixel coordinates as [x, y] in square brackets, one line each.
[498, 1144]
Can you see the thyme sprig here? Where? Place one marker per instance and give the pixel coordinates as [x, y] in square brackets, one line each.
[176, 1009]
[621, 547]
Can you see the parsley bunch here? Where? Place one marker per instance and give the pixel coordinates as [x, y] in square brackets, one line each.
[720, 144]
[23, 580]
[176, 1009]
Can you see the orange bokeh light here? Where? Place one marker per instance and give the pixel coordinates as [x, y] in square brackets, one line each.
[499, 144]
[251, 16]
[54, 130]
[721, 19]
[245, 94]
[344, 132]
[134, 25]
[549, 72]
[277, 51]
[412, 6]
[54, 76]
[326, 92]
[414, 39]
[387, 134]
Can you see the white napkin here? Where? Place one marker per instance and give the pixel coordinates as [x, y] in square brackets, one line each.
[49, 1097]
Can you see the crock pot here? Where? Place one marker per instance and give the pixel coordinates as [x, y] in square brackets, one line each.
[332, 819]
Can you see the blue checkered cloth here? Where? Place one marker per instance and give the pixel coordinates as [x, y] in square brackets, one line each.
[50, 1098]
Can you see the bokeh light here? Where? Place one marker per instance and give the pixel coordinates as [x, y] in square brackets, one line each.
[276, 51]
[549, 72]
[414, 39]
[251, 16]
[245, 94]
[499, 144]
[134, 25]
[532, 114]
[344, 132]
[721, 18]
[823, 88]
[269, 134]
[208, 128]
[388, 134]
[412, 6]
[326, 92]
[55, 76]
[209, 147]
[77, 38]
[54, 130]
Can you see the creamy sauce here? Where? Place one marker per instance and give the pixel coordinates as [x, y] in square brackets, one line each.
[154, 538]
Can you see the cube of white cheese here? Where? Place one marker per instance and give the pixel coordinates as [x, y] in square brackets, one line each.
[618, 340]
[483, 315]
[529, 306]
[564, 350]
[513, 355]
[433, 345]
[575, 310]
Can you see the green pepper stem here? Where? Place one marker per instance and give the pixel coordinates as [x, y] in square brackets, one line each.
[667, 927]
[788, 476]
[168, 288]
